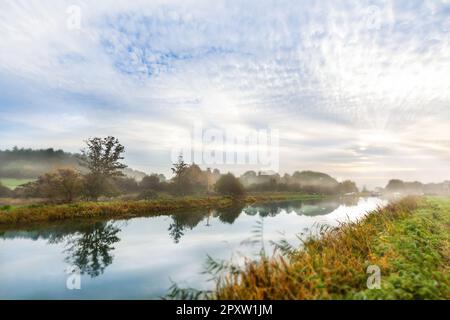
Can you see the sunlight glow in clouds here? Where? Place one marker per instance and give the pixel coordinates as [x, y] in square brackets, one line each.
[357, 89]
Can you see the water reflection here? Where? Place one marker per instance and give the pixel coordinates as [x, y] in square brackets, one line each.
[95, 239]
[89, 246]
[91, 251]
[139, 256]
[309, 208]
[229, 214]
[183, 221]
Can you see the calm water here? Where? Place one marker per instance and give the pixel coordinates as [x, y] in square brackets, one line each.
[138, 258]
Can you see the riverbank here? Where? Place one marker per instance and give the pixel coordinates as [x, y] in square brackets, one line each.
[129, 209]
[409, 241]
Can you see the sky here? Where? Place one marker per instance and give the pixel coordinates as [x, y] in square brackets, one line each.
[357, 89]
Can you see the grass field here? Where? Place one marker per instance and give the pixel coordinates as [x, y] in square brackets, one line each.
[408, 241]
[13, 183]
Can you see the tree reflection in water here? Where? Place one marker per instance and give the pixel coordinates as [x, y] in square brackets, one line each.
[89, 246]
[307, 207]
[189, 220]
[183, 221]
[176, 229]
[229, 214]
[91, 249]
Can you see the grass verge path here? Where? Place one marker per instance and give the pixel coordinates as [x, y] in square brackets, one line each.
[409, 241]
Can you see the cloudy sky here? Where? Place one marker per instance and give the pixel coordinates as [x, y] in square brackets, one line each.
[357, 89]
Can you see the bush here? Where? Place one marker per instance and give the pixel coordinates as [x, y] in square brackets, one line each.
[126, 185]
[150, 182]
[62, 185]
[148, 195]
[229, 185]
[4, 191]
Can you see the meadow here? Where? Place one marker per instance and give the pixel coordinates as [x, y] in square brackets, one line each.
[14, 183]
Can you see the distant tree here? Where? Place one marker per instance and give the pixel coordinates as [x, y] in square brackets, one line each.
[47, 185]
[30, 164]
[27, 190]
[4, 191]
[395, 185]
[248, 178]
[97, 185]
[197, 180]
[147, 194]
[126, 185]
[229, 185]
[347, 187]
[70, 184]
[62, 185]
[180, 179]
[150, 182]
[211, 177]
[102, 158]
[286, 178]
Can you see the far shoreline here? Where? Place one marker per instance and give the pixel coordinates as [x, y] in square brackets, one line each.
[16, 216]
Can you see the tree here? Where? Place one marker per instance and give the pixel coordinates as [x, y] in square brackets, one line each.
[4, 191]
[197, 180]
[62, 185]
[126, 185]
[229, 185]
[180, 180]
[70, 184]
[347, 187]
[102, 158]
[151, 182]
[248, 178]
[395, 185]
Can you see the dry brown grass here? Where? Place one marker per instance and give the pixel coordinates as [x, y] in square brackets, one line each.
[332, 267]
[126, 209]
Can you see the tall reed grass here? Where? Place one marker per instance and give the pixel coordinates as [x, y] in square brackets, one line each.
[334, 266]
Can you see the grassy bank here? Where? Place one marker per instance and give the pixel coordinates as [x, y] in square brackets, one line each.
[409, 241]
[127, 209]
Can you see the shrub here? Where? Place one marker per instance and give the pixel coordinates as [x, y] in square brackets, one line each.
[229, 185]
[148, 195]
[4, 191]
[63, 185]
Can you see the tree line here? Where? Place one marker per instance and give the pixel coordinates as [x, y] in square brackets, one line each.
[99, 173]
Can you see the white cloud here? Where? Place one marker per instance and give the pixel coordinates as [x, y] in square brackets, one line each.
[353, 87]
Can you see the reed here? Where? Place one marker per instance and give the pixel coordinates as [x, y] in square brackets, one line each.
[409, 241]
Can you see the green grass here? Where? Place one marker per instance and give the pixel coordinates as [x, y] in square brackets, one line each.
[409, 241]
[15, 215]
[14, 183]
[419, 255]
